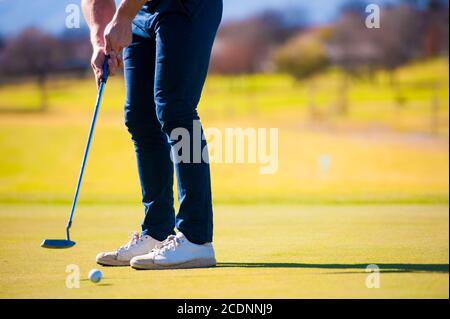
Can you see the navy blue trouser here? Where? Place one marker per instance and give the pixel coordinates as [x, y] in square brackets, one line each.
[165, 69]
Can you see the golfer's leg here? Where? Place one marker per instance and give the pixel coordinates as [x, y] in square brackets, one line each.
[151, 144]
[183, 49]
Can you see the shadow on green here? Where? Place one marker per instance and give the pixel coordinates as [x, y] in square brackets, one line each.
[440, 268]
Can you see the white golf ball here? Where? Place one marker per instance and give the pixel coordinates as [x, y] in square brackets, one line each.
[95, 275]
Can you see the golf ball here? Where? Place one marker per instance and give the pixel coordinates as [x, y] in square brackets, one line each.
[95, 275]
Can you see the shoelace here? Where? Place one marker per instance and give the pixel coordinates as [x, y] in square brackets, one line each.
[134, 238]
[170, 243]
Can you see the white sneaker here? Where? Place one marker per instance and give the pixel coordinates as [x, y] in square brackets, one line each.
[138, 245]
[176, 252]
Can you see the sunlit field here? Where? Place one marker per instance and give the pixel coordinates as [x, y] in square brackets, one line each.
[378, 152]
[262, 251]
[366, 185]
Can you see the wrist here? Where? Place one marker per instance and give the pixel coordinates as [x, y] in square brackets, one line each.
[97, 46]
[97, 39]
[123, 16]
[127, 10]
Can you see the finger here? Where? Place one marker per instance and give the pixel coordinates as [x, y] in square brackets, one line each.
[97, 80]
[108, 46]
[97, 60]
[111, 47]
[97, 74]
[112, 66]
[113, 62]
[119, 60]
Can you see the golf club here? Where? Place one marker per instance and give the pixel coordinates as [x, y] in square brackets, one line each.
[67, 243]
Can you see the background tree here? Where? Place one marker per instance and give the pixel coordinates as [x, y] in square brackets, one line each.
[33, 54]
[303, 56]
[351, 47]
[436, 28]
[403, 41]
[245, 46]
[359, 50]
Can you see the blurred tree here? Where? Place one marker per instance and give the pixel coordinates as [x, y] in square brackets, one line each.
[358, 49]
[435, 42]
[436, 28]
[352, 48]
[32, 53]
[78, 51]
[351, 45]
[2, 42]
[402, 42]
[244, 46]
[302, 57]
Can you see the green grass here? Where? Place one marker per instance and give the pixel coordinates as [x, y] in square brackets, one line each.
[42, 154]
[262, 251]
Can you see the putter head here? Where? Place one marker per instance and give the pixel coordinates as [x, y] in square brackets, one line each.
[57, 243]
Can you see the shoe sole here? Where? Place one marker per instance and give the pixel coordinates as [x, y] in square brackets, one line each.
[114, 263]
[196, 263]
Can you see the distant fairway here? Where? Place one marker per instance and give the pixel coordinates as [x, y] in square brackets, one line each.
[262, 251]
[380, 152]
[41, 155]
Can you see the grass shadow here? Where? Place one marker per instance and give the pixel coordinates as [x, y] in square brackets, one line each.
[386, 268]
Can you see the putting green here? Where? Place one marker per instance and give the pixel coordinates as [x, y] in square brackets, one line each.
[262, 251]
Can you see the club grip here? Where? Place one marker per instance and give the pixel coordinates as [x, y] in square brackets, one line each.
[105, 69]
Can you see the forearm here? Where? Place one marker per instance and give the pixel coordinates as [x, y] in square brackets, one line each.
[110, 31]
[128, 9]
[98, 13]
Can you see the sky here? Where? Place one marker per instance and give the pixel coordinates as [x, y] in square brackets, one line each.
[50, 15]
[318, 10]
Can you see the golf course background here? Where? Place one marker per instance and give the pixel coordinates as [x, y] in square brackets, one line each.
[362, 114]
[379, 152]
[302, 232]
